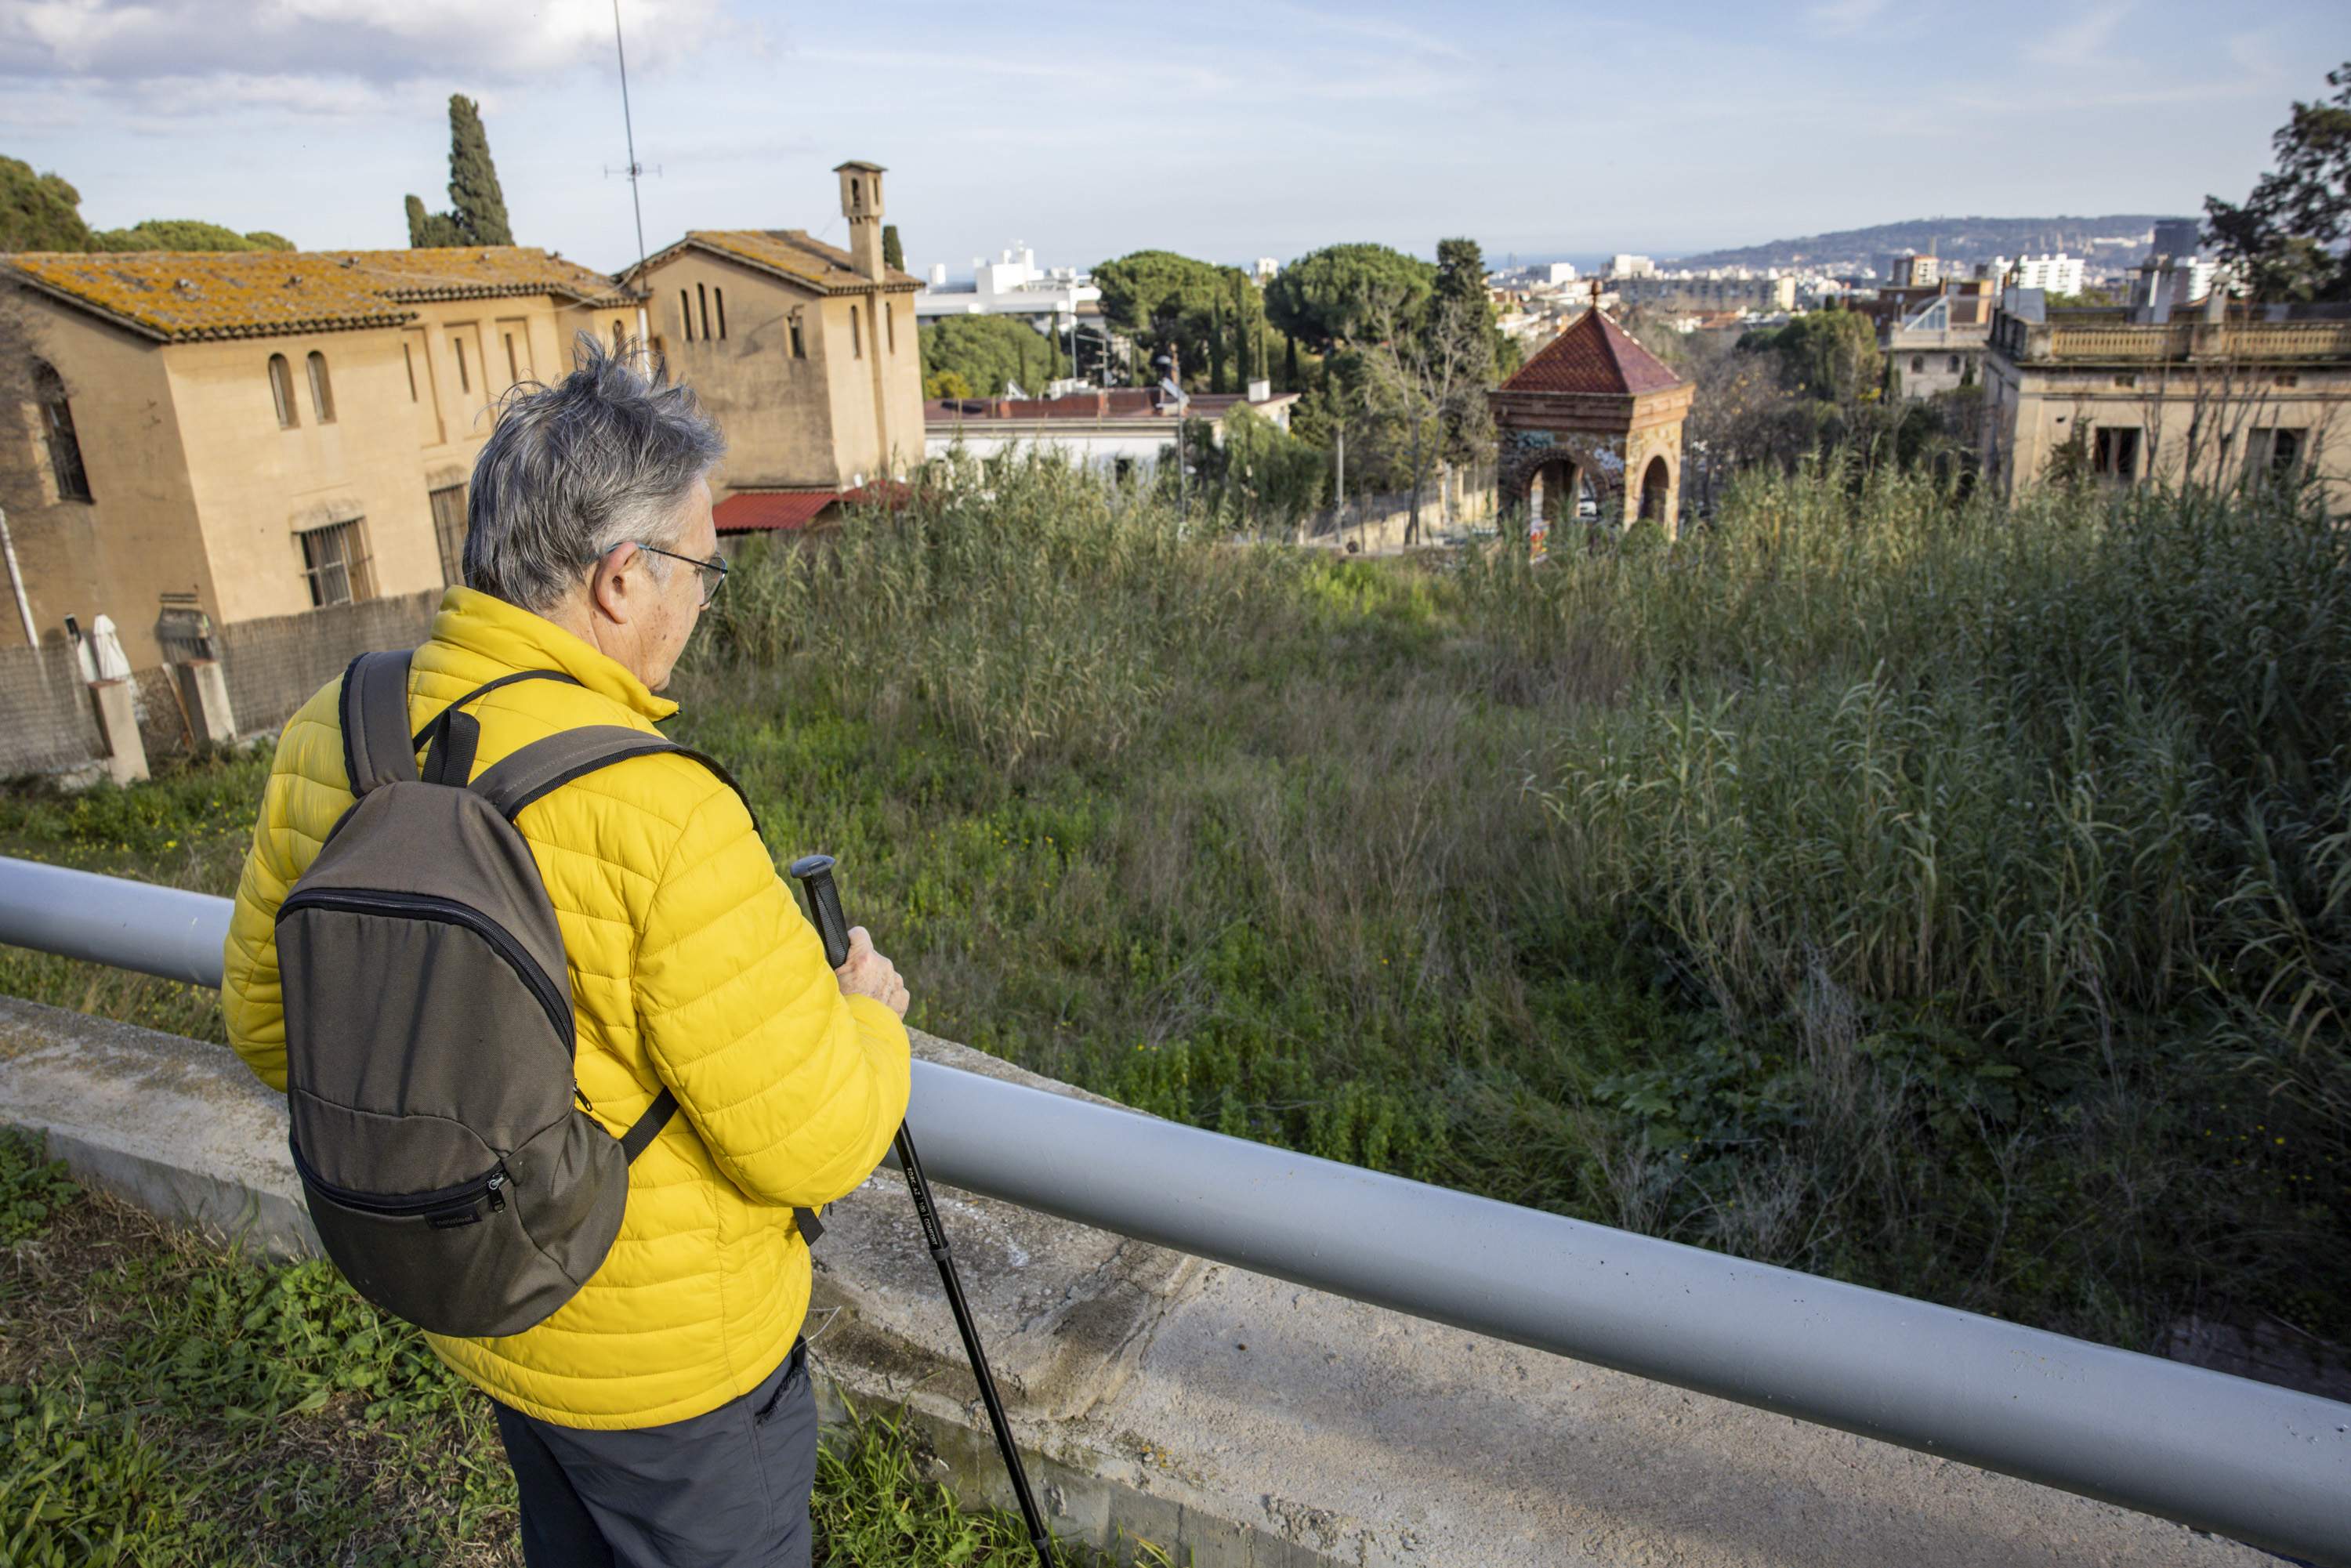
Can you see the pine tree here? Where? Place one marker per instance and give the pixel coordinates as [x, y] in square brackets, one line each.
[1289, 364]
[474, 199]
[892, 256]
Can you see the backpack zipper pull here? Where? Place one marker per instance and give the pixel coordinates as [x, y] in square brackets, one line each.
[581, 1095]
[497, 1179]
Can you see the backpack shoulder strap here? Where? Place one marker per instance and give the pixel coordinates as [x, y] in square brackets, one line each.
[543, 767]
[376, 749]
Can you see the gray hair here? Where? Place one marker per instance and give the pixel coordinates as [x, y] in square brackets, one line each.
[604, 456]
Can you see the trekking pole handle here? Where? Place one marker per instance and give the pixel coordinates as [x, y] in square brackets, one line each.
[814, 873]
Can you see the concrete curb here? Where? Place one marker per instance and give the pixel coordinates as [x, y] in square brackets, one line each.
[1236, 1420]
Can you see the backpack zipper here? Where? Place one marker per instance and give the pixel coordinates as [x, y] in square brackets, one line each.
[449, 912]
[490, 1185]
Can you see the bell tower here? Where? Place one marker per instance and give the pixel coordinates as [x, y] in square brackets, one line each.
[861, 203]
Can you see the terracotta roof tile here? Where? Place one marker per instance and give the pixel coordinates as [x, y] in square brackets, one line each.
[184, 296]
[479, 270]
[1593, 356]
[765, 511]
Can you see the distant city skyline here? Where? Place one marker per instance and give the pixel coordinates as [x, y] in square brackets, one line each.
[1224, 131]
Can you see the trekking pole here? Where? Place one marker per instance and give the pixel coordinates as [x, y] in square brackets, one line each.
[814, 873]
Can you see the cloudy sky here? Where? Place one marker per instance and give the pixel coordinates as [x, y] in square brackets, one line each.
[1229, 131]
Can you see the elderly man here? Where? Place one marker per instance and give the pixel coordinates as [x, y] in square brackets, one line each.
[662, 1414]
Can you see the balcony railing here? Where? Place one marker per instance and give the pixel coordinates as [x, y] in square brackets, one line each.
[2177, 341]
[2260, 1464]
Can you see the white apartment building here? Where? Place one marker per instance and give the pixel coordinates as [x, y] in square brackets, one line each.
[1556, 273]
[1264, 271]
[2057, 274]
[1623, 266]
[1012, 285]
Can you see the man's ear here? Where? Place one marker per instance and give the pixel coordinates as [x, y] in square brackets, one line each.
[609, 591]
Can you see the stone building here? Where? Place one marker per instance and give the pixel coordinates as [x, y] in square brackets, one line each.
[2228, 393]
[1593, 418]
[806, 353]
[251, 434]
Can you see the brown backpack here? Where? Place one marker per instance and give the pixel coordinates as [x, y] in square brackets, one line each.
[452, 1167]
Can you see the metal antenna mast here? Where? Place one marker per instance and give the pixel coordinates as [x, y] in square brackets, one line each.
[628, 126]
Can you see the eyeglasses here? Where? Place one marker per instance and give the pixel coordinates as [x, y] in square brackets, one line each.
[712, 573]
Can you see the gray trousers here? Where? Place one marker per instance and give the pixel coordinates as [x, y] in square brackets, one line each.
[727, 1490]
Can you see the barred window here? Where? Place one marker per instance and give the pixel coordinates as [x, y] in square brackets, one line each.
[58, 425]
[335, 564]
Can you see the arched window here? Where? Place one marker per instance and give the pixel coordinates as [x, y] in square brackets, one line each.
[56, 425]
[799, 344]
[856, 333]
[890, 322]
[322, 394]
[685, 309]
[720, 296]
[281, 389]
[1954, 365]
[620, 336]
[701, 292]
[1918, 364]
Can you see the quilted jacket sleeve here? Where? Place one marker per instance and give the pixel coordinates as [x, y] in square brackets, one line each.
[252, 1005]
[796, 1089]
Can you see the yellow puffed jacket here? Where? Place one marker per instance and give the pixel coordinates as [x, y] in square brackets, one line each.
[691, 967]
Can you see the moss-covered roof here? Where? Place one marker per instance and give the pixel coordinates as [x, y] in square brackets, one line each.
[790, 253]
[191, 296]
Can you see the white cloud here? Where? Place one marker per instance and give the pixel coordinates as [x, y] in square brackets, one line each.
[131, 43]
[1842, 16]
[2083, 42]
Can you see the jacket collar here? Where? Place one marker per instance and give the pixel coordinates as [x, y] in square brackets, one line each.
[511, 636]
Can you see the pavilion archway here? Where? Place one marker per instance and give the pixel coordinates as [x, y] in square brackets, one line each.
[1592, 408]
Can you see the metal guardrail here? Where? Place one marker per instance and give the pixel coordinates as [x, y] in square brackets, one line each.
[2260, 1464]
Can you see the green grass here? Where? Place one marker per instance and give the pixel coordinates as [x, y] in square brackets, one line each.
[165, 1403]
[1948, 898]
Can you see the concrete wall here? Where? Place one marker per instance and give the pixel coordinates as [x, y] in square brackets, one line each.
[851, 407]
[1236, 1420]
[197, 489]
[137, 536]
[274, 664]
[2033, 411]
[259, 486]
[50, 723]
[1450, 500]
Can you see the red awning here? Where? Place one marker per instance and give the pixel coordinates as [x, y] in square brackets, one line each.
[758, 511]
[761, 511]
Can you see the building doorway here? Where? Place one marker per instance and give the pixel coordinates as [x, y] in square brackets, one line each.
[1656, 483]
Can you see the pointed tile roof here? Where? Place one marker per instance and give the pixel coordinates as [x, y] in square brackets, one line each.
[790, 254]
[1594, 357]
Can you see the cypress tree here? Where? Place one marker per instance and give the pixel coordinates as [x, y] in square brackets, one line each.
[1289, 364]
[475, 202]
[427, 230]
[892, 256]
[1244, 364]
[1215, 344]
